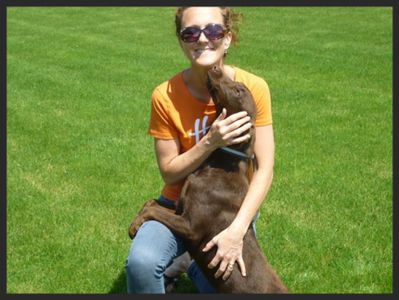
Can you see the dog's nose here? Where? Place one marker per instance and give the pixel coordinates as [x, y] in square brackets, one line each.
[216, 71]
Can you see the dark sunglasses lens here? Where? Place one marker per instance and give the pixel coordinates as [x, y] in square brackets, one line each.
[214, 31]
[190, 34]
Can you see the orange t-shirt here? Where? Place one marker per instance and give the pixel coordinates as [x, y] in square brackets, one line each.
[177, 114]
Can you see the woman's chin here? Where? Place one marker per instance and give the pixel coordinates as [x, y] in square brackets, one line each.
[206, 62]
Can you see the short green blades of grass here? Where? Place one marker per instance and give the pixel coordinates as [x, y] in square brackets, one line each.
[80, 163]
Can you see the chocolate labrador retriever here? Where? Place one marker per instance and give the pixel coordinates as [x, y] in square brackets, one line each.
[212, 196]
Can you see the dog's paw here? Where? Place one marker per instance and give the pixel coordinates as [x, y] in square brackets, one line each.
[141, 217]
[134, 227]
[150, 203]
[137, 222]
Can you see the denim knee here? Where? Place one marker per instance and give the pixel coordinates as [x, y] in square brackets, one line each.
[144, 262]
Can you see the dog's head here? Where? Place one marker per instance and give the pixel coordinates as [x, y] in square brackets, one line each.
[231, 95]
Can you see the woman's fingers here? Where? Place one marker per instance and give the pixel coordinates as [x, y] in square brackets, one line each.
[234, 117]
[235, 125]
[236, 136]
[215, 261]
[230, 130]
[239, 123]
[222, 269]
[222, 115]
[210, 245]
[242, 266]
[229, 270]
[226, 268]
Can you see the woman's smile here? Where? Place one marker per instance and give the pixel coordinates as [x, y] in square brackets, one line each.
[202, 50]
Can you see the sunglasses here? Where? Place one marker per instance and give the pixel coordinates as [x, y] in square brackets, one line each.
[212, 32]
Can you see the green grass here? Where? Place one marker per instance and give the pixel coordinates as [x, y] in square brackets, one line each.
[80, 163]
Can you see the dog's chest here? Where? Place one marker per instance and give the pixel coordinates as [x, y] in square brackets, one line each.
[212, 190]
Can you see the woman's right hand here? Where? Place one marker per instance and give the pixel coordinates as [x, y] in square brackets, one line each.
[228, 131]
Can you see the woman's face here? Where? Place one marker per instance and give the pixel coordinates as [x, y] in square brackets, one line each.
[204, 52]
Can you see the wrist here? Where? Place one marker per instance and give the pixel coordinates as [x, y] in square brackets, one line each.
[239, 228]
[207, 145]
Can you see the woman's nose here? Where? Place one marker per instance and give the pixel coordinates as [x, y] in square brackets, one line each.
[202, 38]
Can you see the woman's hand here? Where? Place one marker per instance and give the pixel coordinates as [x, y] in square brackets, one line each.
[228, 131]
[229, 244]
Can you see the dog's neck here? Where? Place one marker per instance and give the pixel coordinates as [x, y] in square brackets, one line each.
[243, 150]
[237, 153]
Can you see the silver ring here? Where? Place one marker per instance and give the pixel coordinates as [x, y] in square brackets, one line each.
[230, 267]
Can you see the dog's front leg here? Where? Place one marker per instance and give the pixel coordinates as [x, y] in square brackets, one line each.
[153, 211]
[142, 216]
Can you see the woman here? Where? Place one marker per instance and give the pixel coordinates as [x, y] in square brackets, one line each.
[186, 131]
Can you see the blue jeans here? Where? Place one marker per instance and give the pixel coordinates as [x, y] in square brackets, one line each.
[151, 252]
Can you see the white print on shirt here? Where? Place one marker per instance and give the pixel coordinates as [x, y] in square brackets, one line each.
[199, 132]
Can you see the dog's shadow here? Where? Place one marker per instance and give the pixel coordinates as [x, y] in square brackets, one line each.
[183, 286]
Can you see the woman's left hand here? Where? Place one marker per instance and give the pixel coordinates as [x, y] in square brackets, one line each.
[229, 251]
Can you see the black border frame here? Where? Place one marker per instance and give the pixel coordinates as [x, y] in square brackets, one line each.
[277, 3]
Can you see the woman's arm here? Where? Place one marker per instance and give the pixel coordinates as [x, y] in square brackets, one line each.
[175, 166]
[261, 181]
[230, 240]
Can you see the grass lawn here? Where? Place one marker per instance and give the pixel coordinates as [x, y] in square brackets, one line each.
[80, 163]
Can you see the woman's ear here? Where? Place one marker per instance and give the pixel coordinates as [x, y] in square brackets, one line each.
[227, 41]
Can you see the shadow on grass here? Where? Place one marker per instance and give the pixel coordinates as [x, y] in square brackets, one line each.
[119, 286]
[184, 285]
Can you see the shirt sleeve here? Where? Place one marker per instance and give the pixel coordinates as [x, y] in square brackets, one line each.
[261, 94]
[161, 124]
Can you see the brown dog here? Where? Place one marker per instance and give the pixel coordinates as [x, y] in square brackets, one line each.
[212, 196]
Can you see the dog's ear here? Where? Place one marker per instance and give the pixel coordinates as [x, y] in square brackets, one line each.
[252, 139]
